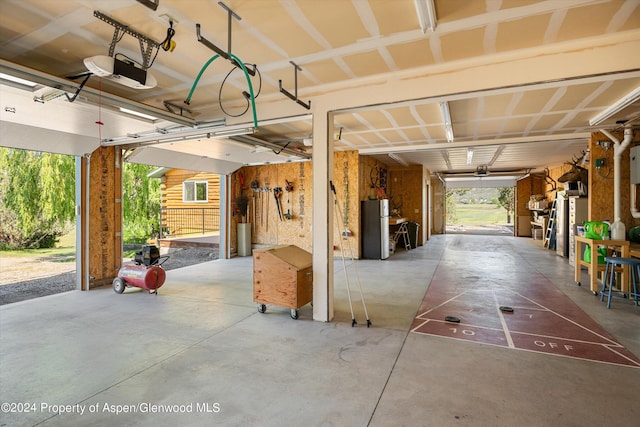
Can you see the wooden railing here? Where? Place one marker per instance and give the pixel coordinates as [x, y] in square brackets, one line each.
[188, 221]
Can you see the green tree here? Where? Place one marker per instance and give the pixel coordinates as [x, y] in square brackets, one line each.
[451, 199]
[37, 198]
[141, 203]
[506, 199]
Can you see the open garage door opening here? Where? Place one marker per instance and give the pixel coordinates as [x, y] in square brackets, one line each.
[480, 210]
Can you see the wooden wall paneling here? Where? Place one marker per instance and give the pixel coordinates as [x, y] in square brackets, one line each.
[426, 205]
[524, 190]
[269, 230]
[103, 264]
[171, 189]
[555, 173]
[267, 227]
[346, 173]
[534, 184]
[117, 208]
[439, 212]
[600, 186]
[405, 194]
[601, 200]
[600, 183]
[366, 171]
[288, 230]
[303, 206]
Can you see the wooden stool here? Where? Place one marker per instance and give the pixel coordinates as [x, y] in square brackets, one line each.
[612, 263]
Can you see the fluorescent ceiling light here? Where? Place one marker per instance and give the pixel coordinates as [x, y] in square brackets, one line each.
[618, 106]
[18, 80]
[398, 159]
[260, 149]
[49, 96]
[446, 117]
[469, 155]
[234, 132]
[135, 113]
[426, 11]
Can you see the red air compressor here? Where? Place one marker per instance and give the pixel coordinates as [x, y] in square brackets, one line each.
[147, 272]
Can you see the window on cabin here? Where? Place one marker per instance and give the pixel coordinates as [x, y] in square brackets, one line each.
[194, 191]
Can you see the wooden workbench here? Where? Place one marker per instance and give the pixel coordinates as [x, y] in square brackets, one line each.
[634, 250]
[593, 268]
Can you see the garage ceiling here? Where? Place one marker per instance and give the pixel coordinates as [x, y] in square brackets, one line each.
[339, 46]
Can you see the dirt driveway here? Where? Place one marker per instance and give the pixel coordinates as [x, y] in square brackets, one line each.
[32, 277]
[14, 270]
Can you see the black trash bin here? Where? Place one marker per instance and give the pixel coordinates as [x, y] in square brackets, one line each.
[412, 229]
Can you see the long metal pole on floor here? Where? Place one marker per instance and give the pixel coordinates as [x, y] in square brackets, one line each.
[338, 214]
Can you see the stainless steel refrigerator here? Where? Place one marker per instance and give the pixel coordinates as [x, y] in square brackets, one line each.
[374, 221]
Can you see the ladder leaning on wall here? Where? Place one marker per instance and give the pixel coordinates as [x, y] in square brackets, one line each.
[550, 235]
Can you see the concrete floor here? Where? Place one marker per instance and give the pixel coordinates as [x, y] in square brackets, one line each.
[199, 353]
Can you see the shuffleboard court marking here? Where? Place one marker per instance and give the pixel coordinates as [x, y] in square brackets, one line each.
[505, 328]
[561, 330]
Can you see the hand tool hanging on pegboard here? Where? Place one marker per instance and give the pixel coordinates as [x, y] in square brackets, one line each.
[345, 170]
[255, 189]
[338, 215]
[289, 189]
[267, 189]
[277, 194]
[241, 178]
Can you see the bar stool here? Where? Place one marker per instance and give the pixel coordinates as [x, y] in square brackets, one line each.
[610, 270]
[403, 232]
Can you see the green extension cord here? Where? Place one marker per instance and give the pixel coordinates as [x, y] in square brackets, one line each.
[246, 74]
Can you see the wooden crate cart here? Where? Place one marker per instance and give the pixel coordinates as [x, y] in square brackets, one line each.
[282, 276]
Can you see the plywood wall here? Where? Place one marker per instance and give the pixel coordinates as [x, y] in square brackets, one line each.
[534, 184]
[553, 185]
[268, 228]
[438, 224]
[346, 180]
[601, 204]
[369, 181]
[600, 183]
[105, 195]
[352, 183]
[404, 189]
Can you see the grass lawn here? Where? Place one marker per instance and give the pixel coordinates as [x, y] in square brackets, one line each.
[65, 250]
[478, 214]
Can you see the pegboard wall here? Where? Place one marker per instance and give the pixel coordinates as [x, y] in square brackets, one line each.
[281, 220]
[292, 224]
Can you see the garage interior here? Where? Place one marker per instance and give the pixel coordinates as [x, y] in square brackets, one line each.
[434, 92]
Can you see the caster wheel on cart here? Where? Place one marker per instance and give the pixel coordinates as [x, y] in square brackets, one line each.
[294, 313]
[118, 285]
[595, 293]
[578, 283]
[262, 308]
